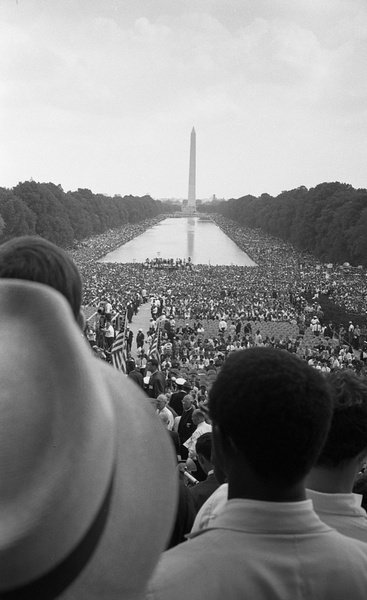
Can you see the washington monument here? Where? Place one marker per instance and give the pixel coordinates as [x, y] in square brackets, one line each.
[191, 201]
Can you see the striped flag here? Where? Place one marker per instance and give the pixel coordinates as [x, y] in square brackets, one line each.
[154, 350]
[118, 352]
[119, 346]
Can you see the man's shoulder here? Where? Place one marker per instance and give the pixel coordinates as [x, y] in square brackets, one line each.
[203, 490]
[187, 414]
[136, 375]
[157, 376]
[342, 512]
[335, 566]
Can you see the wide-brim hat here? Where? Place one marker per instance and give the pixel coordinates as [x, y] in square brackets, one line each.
[85, 465]
[180, 381]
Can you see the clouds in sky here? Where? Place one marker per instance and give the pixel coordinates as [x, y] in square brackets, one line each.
[104, 94]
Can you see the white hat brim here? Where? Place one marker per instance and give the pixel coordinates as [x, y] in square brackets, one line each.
[98, 425]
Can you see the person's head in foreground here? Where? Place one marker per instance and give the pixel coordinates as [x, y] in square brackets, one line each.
[345, 449]
[271, 413]
[34, 258]
[79, 490]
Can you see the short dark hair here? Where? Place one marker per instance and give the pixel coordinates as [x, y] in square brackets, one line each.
[153, 362]
[204, 445]
[347, 435]
[130, 365]
[274, 408]
[35, 259]
[199, 413]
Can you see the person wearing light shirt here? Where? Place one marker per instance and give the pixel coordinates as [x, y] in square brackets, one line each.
[108, 310]
[330, 482]
[198, 418]
[270, 413]
[163, 412]
[109, 334]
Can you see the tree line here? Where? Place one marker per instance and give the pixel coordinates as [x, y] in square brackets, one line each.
[44, 209]
[329, 220]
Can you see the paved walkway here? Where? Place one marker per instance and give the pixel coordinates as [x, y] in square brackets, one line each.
[141, 320]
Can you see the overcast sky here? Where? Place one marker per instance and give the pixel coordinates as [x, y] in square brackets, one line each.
[104, 93]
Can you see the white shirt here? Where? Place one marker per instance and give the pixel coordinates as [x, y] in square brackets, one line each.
[263, 551]
[343, 512]
[190, 444]
[166, 413]
[211, 508]
[109, 331]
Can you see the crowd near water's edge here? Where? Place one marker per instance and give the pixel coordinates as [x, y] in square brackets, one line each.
[280, 302]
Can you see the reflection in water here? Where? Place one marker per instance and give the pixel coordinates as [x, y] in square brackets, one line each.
[190, 237]
[186, 237]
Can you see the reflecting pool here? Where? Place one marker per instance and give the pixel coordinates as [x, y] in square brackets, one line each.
[185, 237]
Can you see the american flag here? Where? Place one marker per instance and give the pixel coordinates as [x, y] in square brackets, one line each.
[118, 350]
[154, 350]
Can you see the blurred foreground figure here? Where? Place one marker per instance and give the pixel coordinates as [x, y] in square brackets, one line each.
[78, 490]
[344, 455]
[271, 413]
[35, 259]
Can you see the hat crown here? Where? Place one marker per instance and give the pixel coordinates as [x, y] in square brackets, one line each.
[48, 417]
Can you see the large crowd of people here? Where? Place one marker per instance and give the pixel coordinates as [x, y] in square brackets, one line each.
[93, 500]
[275, 303]
[159, 262]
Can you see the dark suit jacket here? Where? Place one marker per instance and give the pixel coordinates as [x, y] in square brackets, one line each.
[176, 401]
[157, 384]
[136, 376]
[185, 430]
[184, 517]
[186, 427]
[201, 492]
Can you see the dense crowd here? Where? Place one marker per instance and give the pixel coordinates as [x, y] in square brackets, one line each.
[278, 449]
[159, 262]
[275, 303]
[300, 272]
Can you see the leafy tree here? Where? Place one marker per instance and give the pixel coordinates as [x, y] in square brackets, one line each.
[18, 218]
[327, 220]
